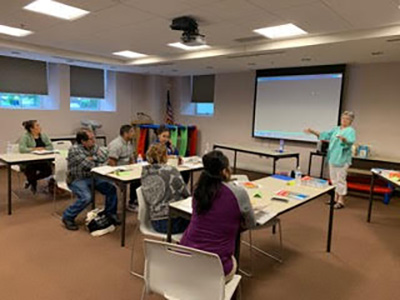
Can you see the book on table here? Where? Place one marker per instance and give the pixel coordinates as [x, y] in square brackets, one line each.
[285, 195]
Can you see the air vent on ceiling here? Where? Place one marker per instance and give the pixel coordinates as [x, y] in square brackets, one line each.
[256, 54]
[250, 39]
[393, 40]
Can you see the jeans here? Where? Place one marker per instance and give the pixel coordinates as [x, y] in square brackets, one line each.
[179, 225]
[82, 189]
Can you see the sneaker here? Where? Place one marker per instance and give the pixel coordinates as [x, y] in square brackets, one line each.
[70, 224]
[132, 207]
[114, 220]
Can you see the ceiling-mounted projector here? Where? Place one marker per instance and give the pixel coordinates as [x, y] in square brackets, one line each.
[190, 28]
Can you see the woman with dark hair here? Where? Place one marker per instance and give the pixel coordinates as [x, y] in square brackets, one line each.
[161, 185]
[33, 140]
[220, 210]
[164, 137]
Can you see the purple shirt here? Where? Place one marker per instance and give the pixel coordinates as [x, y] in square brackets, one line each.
[216, 230]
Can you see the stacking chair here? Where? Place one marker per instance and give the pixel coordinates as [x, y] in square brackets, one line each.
[145, 228]
[60, 178]
[181, 273]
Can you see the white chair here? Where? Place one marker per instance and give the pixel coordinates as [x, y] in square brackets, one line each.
[145, 227]
[181, 273]
[239, 178]
[62, 146]
[60, 178]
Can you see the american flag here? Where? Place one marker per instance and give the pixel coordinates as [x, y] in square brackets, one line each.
[169, 116]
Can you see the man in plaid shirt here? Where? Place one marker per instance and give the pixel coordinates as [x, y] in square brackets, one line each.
[82, 157]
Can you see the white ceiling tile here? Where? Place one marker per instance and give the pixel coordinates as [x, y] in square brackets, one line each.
[122, 15]
[314, 18]
[229, 10]
[167, 9]
[91, 5]
[365, 14]
[273, 5]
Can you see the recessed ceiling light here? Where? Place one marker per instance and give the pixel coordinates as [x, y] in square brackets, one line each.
[281, 31]
[13, 31]
[129, 54]
[56, 9]
[188, 48]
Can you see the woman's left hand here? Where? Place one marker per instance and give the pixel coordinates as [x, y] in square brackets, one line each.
[343, 139]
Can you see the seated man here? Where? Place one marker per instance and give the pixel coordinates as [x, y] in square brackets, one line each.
[82, 157]
[122, 152]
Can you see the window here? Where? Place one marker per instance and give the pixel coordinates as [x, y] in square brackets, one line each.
[78, 103]
[92, 90]
[22, 101]
[204, 109]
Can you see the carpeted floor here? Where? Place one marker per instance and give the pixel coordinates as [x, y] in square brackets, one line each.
[40, 260]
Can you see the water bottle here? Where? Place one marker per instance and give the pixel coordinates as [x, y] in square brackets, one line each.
[281, 145]
[139, 159]
[9, 148]
[297, 176]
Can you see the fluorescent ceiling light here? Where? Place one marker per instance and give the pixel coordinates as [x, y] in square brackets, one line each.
[130, 54]
[56, 9]
[14, 31]
[281, 31]
[188, 48]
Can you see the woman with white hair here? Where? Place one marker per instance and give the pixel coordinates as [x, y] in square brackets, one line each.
[341, 139]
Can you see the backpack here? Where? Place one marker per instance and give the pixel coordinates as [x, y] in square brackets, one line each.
[98, 223]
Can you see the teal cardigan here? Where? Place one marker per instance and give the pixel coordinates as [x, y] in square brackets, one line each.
[27, 143]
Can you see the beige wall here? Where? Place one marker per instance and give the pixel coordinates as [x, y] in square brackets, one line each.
[134, 93]
[372, 92]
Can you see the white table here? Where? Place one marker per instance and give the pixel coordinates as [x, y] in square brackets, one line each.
[268, 187]
[384, 175]
[132, 174]
[275, 155]
[20, 159]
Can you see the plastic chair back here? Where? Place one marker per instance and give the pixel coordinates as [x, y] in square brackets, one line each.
[15, 148]
[143, 212]
[178, 272]
[62, 146]
[60, 169]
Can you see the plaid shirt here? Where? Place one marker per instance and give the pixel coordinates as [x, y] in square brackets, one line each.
[79, 164]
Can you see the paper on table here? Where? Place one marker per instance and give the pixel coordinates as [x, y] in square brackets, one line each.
[104, 170]
[264, 216]
[44, 152]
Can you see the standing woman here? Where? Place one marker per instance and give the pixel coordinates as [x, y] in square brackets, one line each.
[341, 139]
[220, 210]
[33, 140]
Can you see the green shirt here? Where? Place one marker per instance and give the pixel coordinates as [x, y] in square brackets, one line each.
[339, 153]
[27, 142]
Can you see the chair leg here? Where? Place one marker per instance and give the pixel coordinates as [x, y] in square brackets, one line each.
[278, 259]
[250, 244]
[144, 293]
[135, 234]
